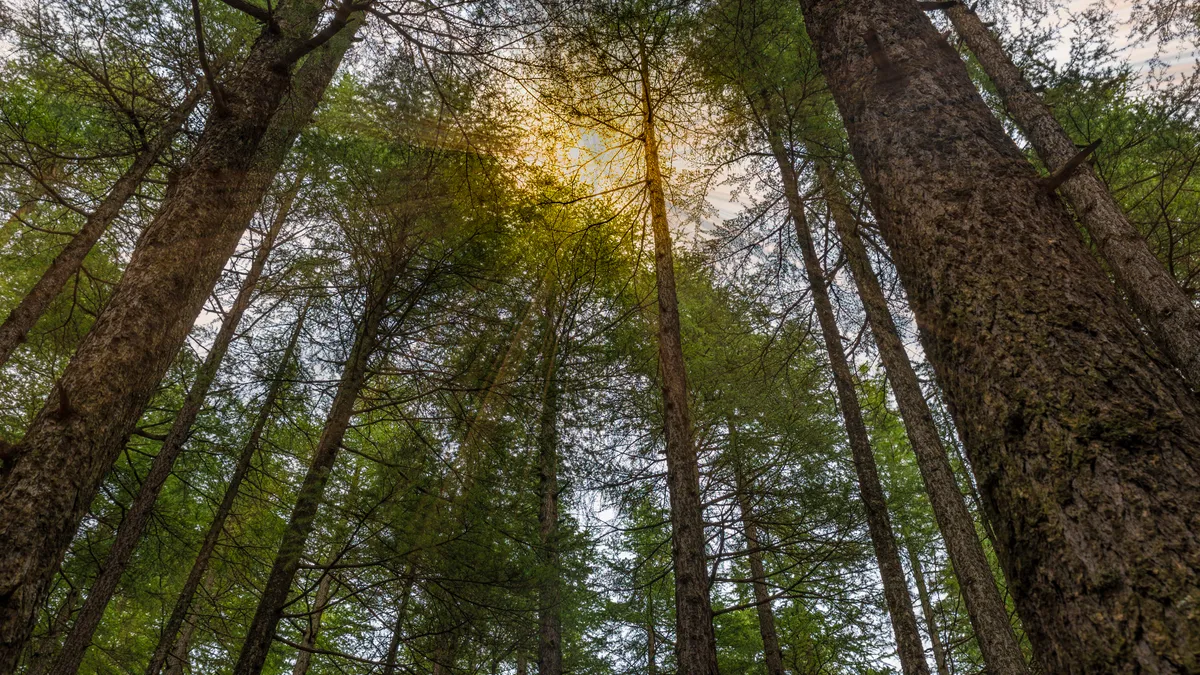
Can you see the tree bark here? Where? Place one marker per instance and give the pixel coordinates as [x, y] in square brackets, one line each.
[179, 651]
[73, 441]
[695, 641]
[1170, 318]
[389, 666]
[25, 315]
[183, 603]
[883, 539]
[935, 637]
[261, 631]
[303, 656]
[139, 512]
[985, 607]
[549, 591]
[1084, 443]
[651, 637]
[772, 654]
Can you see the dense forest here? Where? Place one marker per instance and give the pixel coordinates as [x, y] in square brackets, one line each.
[599, 337]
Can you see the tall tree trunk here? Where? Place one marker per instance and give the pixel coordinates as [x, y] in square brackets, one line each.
[989, 617]
[549, 592]
[180, 612]
[138, 514]
[695, 641]
[262, 628]
[1085, 444]
[68, 261]
[651, 636]
[389, 665]
[772, 654]
[56, 469]
[1170, 318]
[879, 524]
[931, 627]
[179, 651]
[304, 657]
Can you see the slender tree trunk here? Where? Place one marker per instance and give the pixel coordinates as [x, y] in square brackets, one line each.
[1085, 444]
[1171, 319]
[389, 667]
[304, 657]
[651, 636]
[179, 651]
[138, 514]
[549, 593]
[522, 664]
[772, 654]
[989, 617]
[200, 569]
[68, 261]
[879, 524]
[56, 469]
[262, 628]
[695, 641]
[935, 636]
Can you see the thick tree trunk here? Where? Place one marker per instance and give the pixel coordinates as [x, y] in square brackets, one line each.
[1085, 444]
[25, 315]
[549, 592]
[1170, 318]
[72, 443]
[989, 617]
[931, 626]
[695, 641]
[261, 631]
[183, 603]
[772, 654]
[138, 515]
[879, 524]
[304, 656]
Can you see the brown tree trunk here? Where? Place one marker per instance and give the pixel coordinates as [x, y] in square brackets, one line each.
[138, 515]
[1170, 318]
[651, 636]
[549, 592]
[1084, 443]
[183, 603]
[989, 617]
[931, 627]
[179, 651]
[695, 641]
[772, 654]
[304, 656]
[261, 631]
[883, 539]
[25, 315]
[73, 441]
[389, 665]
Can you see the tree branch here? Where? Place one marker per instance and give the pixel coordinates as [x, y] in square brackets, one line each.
[1059, 177]
[219, 104]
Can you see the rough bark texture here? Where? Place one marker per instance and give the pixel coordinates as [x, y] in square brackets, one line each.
[139, 512]
[1085, 445]
[304, 656]
[549, 592]
[989, 617]
[25, 315]
[879, 524]
[1170, 318]
[179, 652]
[931, 627]
[183, 603]
[74, 440]
[262, 628]
[772, 654]
[695, 640]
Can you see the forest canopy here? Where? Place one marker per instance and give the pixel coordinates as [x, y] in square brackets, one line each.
[449, 337]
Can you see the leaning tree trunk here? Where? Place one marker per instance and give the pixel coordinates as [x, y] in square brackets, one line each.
[1085, 444]
[989, 617]
[304, 657]
[772, 654]
[56, 469]
[138, 514]
[549, 591]
[389, 664]
[68, 261]
[879, 524]
[183, 603]
[695, 640]
[261, 631]
[1170, 318]
[935, 637]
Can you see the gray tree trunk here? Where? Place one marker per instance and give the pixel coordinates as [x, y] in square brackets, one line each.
[1085, 444]
[931, 626]
[304, 656]
[772, 654]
